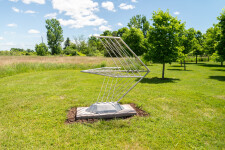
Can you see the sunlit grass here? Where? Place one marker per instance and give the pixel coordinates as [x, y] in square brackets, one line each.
[186, 110]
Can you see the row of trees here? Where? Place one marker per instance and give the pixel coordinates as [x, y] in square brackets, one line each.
[165, 41]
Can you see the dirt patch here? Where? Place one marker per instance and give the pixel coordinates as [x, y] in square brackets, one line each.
[71, 116]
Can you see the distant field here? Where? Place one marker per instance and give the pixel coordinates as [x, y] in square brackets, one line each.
[6, 60]
[186, 110]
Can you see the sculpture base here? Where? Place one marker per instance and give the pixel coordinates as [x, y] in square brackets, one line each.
[105, 111]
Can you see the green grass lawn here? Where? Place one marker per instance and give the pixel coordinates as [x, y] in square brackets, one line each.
[187, 111]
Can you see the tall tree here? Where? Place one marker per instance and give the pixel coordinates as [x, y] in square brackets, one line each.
[198, 45]
[135, 39]
[221, 45]
[54, 35]
[66, 43]
[211, 39]
[139, 22]
[163, 39]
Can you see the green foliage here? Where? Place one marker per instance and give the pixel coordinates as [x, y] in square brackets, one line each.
[135, 39]
[41, 49]
[17, 52]
[66, 43]
[139, 22]
[70, 51]
[54, 35]
[221, 45]
[121, 31]
[163, 38]
[211, 39]
[107, 33]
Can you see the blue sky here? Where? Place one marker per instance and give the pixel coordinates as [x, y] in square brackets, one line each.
[23, 21]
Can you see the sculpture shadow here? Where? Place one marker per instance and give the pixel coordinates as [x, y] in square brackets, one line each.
[219, 78]
[179, 70]
[156, 80]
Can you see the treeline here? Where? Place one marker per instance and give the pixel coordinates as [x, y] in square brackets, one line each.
[18, 52]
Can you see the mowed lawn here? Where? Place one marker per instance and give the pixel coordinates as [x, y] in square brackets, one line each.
[187, 110]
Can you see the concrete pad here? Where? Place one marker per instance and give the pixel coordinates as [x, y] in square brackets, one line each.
[126, 112]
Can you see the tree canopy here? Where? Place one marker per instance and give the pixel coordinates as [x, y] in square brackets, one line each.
[163, 38]
[54, 35]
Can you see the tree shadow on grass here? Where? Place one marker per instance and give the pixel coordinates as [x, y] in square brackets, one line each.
[156, 80]
[219, 78]
[210, 65]
[179, 70]
[218, 69]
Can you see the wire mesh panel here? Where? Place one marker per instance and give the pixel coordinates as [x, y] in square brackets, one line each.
[123, 74]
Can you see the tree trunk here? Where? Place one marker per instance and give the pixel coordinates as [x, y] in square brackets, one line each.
[208, 58]
[181, 63]
[196, 59]
[163, 71]
[184, 65]
[222, 63]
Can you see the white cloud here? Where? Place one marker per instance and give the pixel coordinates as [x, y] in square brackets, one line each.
[108, 5]
[12, 25]
[94, 35]
[125, 6]
[33, 31]
[34, 1]
[13, 0]
[119, 24]
[134, 1]
[15, 9]
[176, 13]
[81, 12]
[103, 28]
[1, 38]
[51, 15]
[30, 12]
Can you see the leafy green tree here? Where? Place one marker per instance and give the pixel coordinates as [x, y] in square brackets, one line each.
[66, 43]
[107, 33]
[54, 35]
[198, 45]
[187, 42]
[135, 39]
[211, 40]
[70, 51]
[221, 45]
[41, 49]
[114, 33]
[121, 31]
[163, 39]
[139, 22]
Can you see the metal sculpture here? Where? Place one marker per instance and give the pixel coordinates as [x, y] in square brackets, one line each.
[120, 78]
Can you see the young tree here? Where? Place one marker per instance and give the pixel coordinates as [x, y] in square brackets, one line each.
[187, 43]
[139, 22]
[221, 45]
[41, 49]
[135, 39]
[198, 45]
[54, 35]
[66, 43]
[163, 39]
